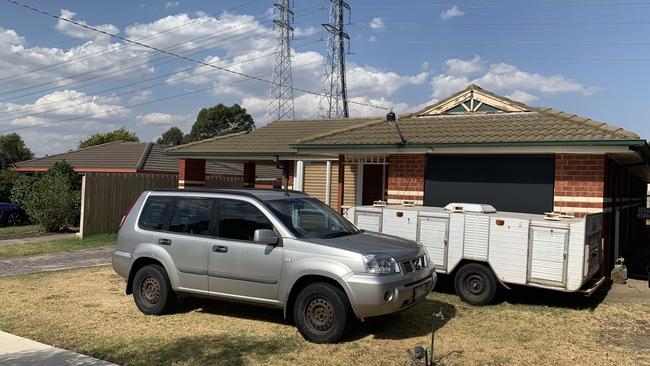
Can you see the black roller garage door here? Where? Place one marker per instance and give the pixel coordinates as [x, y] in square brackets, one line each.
[509, 183]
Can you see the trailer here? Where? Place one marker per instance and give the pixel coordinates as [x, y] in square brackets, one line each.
[483, 248]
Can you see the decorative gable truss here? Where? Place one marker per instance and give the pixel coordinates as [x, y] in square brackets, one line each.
[474, 100]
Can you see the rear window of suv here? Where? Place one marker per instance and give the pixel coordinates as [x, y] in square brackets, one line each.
[155, 213]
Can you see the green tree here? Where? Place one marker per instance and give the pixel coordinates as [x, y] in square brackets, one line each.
[64, 169]
[220, 120]
[7, 180]
[172, 137]
[13, 150]
[22, 188]
[121, 134]
[54, 203]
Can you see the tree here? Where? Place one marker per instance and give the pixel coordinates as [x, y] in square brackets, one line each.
[7, 180]
[172, 137]
[52, 199]
[220, 120]
[13, 150]
[121, 134]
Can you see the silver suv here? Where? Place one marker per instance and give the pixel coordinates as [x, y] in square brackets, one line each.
[280, 249]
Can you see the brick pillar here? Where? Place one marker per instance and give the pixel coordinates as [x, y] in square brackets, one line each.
[406, 178]
[191, 173]
[341, 183]
[580, 184]
[249, 174]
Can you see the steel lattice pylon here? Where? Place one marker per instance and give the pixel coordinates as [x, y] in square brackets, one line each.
[281, 93]
[334, 101]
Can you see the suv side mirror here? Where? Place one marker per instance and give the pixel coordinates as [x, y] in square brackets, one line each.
[265, 236]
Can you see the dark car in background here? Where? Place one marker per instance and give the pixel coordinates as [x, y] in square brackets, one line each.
[12, 215]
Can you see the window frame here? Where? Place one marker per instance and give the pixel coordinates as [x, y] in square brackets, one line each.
[217, 206]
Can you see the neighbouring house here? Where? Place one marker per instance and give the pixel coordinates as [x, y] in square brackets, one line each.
[115, 173]
[474, 146]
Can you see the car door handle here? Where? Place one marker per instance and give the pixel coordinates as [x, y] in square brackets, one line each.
[163, 241]
[219, 249]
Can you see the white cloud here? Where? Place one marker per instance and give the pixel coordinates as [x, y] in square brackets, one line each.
[377, 24]
[503, 78]
[458, 67]
[76, 31]
[171, 5]
[141, 96]
[522, 96]
[452, 12]
[165, 119]
[63, 104]
[425, 66]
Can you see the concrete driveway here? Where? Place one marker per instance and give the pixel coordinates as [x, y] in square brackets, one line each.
[56, 261]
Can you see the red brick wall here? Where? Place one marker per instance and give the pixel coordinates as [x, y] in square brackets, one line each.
[191, 173]
[580, 183]
[406, 178]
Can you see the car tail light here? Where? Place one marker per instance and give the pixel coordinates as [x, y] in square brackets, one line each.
[128, 210]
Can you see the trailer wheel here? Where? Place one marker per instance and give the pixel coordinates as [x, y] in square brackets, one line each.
[475, 284]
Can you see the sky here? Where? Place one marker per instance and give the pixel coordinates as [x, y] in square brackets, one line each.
[60, 83]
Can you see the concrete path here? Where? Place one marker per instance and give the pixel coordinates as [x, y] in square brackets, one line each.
[18, 351]
[36, 239]
[56, 261]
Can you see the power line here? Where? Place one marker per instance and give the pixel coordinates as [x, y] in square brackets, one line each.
[514, 43]
[234, 72]
[495, 5]
[145, 56]
[101, 52]
[142, 103]
[512, 24]
[129, 91]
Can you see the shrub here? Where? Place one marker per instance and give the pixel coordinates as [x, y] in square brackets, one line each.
[22, 187]
[54, 203]
[7, 180]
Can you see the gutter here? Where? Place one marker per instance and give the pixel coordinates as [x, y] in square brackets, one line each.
[631, 143]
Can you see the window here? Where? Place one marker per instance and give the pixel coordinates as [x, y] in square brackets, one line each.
[191, 216]
[155, 213]
[239, 220]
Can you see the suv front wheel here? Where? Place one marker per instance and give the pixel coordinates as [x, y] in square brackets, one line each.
[152, 290]
[322, 313]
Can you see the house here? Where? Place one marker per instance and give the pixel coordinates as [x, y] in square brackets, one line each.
[115, 173]
[474, 146]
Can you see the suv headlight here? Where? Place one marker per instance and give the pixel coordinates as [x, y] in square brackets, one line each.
[380, 264]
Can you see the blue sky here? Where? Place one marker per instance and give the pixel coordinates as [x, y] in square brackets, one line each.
[588, 57]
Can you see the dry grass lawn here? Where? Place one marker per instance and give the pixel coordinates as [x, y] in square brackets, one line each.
[86, 311]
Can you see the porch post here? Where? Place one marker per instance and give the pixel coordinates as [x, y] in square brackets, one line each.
[341, 182]
[249, 174]
[191, 173]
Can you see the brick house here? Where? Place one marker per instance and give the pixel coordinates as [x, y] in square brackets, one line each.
[474, 146]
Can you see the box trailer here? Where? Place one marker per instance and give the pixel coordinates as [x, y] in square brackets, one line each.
[482, 248]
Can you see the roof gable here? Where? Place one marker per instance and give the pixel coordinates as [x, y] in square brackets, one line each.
[474, 99]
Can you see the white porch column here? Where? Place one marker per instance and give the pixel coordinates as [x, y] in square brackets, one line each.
[299, 177]
[328, 182]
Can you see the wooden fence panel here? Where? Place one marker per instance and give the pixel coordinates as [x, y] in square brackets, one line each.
[106, 196]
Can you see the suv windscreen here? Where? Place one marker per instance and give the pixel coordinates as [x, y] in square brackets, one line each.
[310, 218]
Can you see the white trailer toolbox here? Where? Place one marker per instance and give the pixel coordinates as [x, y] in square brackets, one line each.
[549, 251]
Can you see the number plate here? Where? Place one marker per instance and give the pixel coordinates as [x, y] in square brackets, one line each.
[421, 290]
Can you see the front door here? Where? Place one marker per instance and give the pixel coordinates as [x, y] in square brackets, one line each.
[237, 265]
[373, 183]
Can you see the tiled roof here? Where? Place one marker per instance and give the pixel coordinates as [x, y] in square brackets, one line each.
[274, 138]
[134, 157]
[537, 126]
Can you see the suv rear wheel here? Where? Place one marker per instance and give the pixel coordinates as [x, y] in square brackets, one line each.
[152, 290]
[475, 284]
[322, 313]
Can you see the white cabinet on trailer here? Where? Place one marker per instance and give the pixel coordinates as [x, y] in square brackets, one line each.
[482, 247]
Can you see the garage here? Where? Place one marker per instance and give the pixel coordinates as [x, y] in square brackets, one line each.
[515, 183]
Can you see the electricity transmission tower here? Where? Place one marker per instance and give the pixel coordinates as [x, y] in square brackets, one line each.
[281, 93]
[334, 102]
